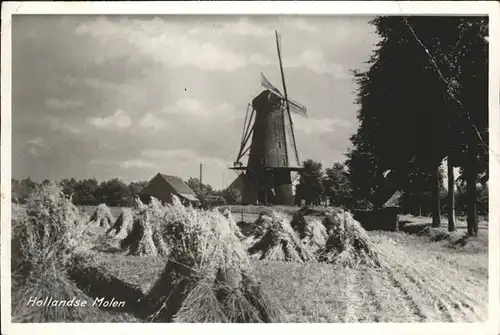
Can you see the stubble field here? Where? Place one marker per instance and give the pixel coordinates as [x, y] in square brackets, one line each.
[420, 280]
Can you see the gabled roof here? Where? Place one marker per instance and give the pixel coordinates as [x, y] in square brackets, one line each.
[178, 184]
[394, 200]
[238, 183]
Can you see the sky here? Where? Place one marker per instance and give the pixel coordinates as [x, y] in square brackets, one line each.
[130, 96]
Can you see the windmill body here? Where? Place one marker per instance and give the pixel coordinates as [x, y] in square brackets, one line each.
[269, 140]
[268, 170]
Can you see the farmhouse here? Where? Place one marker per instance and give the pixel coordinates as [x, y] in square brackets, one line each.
[163, 186]
[238, 184]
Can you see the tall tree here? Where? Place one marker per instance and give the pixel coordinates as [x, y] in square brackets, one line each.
[232, 196]
[473, 95]
[114, 192]
[397, 124]
[136, 188]
[201, 190]
[85, 192]
[310, 187]
[451, 196]
[337, 185]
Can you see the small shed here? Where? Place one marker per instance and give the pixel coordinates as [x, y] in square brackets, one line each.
[163, 186]
[385, 218]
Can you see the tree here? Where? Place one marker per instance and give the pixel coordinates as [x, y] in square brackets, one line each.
[15, 190]
[451, 196]
[68, 186]
[136, 188]
[310, 187]
[364, 177]
[337, 186]
[399, 124]
[231, 195]
[201, 190]
[114, 192]
[473, 95]
[85, 192]
[22, 189]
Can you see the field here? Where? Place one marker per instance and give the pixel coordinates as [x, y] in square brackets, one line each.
[420, 281]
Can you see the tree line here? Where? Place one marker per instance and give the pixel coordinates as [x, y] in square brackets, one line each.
[337, 186]
[115, 192]
[86, 192]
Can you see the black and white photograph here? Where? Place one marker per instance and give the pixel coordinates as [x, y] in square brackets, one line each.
[183, 166]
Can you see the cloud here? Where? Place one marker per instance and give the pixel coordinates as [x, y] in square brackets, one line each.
[302, 25]
[315, 61]
[35, 146]
[119, 119]
[194, 107]
[227, 111]
[151, 121]
[154, 84]
[57, 104]
[242, 27]
[38, 141]
[315, 126]
[137, 163]
[183, 155]
[168, 44]
[189, 106]
[58, 124]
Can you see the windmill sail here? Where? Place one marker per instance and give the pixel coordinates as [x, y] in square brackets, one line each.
[293, 160]
[291, 143]
[267, 85]
[297, 108]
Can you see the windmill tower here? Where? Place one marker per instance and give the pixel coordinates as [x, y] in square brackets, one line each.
[269, 140]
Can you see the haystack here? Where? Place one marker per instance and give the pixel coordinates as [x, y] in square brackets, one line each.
[158, 221]
[278, 241]
[140, 240]
[122, 226]
[208, 276]
[44, 240]
[234, 226]
[348, 243]
[312, 233]
[102, 216]
[143, 233]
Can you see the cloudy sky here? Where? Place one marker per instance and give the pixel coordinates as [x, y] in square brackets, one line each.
[127, 97]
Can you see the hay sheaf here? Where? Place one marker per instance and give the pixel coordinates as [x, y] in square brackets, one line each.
[208, 276]
[139, 231]
[234, 226]
[348, 243]
[44, 241]
[277, 241]
[158, 221]
[102, 216]
[312, 233]
[122, 226]
[140, 240]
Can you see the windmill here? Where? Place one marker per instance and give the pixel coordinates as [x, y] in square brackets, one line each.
[269, 140]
